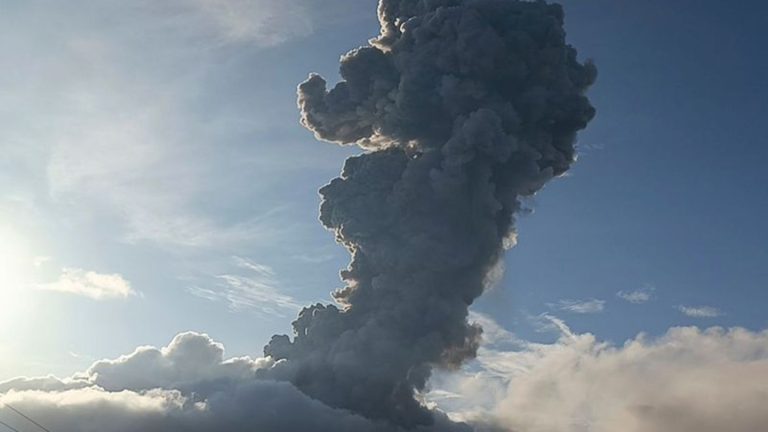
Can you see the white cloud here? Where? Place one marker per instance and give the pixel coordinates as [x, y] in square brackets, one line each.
[97, 409]
[90, 284]
[700, 311]
[579, 306]
[257, 289]
[552, 324]
[688, 380]
[493, 333]
[638, 296]
[189, 360]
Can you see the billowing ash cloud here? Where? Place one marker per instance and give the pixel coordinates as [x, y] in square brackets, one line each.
[464, 107]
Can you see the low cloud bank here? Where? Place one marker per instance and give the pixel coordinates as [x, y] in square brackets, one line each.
[187, 386]
[688, 380]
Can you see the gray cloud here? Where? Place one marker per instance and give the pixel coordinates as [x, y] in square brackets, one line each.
[187, 385]
[465, 108]
[258, 405]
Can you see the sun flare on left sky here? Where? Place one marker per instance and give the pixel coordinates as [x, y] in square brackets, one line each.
[16, 277]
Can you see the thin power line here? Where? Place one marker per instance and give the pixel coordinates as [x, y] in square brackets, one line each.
[26, 417]
[2, 423]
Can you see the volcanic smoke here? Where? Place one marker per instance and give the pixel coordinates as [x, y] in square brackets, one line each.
[463, 108]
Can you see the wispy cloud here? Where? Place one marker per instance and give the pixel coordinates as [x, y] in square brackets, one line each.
[263, 22]
[546, 323]
[638, 296]
[493, 334]
[90, 284]
[579, 306]
[700, 311]
[125, 138]
[257, 289]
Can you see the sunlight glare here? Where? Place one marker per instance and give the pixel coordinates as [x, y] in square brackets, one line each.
[16, 271]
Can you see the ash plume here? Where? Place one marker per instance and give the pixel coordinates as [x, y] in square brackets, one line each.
[463, 107]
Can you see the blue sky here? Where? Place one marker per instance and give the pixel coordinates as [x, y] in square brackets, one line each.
[667, 193]
[152, 154]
